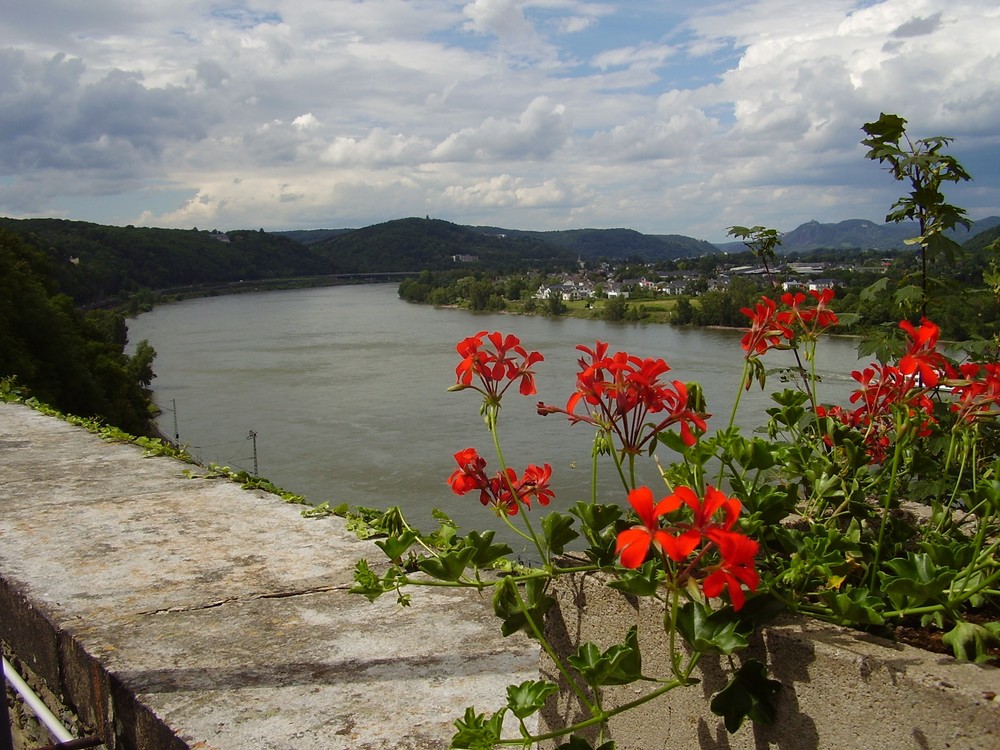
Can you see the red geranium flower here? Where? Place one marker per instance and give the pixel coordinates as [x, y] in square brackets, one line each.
[470, 475]
[497, 362]
[977, 391]
[766, 328]
[504, 491]
[705, 510]
[884, 391]
[634, 543]
[812, 320]
[621, 391]
[535, 483]
[921, 356]
[680, 539]
[735, 568]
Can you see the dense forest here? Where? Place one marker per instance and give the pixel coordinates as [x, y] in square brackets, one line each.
[65, 357]
[416, 245]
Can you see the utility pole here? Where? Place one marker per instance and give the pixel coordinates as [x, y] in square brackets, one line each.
[253, 436]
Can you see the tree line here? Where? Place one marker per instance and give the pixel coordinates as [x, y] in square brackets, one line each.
[68, 358]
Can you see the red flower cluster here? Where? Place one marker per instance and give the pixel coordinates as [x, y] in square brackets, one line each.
[977, 390]
[771, 328]
[691, 540]
[921, 356]
[887, 388]
[811, 321]
[766, 328]
[504, 491]
[497, 362]
[621, 391]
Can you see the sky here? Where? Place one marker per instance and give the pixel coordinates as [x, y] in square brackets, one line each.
[663, 117]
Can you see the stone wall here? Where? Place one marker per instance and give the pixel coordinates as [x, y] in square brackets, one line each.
[176, 612]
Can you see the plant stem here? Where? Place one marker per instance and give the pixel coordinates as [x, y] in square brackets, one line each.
[550, 652]
[542, 552]
[886, 505]
[603, 716]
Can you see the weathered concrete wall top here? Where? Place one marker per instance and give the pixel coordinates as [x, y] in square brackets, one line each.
[178, 612]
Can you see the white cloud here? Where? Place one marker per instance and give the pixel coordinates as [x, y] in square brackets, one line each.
[540, 130]
[334, 112]
[377, 149]
[307, 121]
[642, 56]
[507, 191]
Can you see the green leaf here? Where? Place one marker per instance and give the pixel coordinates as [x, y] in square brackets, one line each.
[447, 567]
[710, 632]
[395, 546]
[874, 291]
[672, 440]
[596, 516]
[366, 582]
[559, 531]
[749, 695]
[908, 295]
[598, 529]
[507, 607]
[854, 607]
[918, 581]
[476, 732]
[970, 642]
[643, 581]
[887, 129]
[484, 550]
[525, 699]
[619, 665]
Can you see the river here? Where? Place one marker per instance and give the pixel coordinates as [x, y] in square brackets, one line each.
[345, 388]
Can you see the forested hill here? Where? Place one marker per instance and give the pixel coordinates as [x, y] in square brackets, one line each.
[97, 264]
[94, 263]
[616, 244]
[433, 245]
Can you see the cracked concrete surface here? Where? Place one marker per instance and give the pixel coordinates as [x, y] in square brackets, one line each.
[189, 613]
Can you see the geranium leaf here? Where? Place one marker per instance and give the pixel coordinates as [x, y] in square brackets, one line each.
[559, 531]
[447, 567]
[710, 632]
[643, 581]
[619, 665]
[970, 642]
[395, 546]
[749, 694]
[525, 699]
[484, 550]
[476, 732]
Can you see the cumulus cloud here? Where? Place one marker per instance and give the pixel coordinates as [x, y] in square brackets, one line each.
[379, 148]
[508, 191]
[51, 118]
[664, 117]
[541, 129]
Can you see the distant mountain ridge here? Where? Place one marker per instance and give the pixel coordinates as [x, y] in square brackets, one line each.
[859, 233]
[624, 244]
